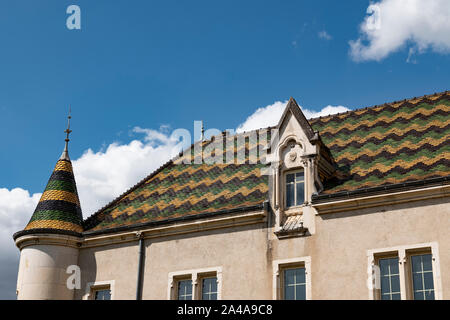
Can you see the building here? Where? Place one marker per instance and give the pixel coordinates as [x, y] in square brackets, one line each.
[348, 206]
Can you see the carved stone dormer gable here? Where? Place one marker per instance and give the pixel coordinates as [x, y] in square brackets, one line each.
[292, 108]
[299, 163]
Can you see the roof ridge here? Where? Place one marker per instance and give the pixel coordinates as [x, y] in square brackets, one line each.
[383, 104]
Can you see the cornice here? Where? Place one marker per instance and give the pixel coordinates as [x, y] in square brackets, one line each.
[176, 228]
[48, 239]
[362, 202]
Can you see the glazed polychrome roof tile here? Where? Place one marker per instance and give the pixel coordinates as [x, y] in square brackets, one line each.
[181, 189]
[392, 143]
[59, 206]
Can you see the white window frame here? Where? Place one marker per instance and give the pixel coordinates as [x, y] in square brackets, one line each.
[404, 261]
[280, 265]
[92, 286]
[195, 275]
[284, 188]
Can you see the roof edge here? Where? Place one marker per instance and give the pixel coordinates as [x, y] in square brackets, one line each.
[371, 190]
[139, 226]
[45, 231]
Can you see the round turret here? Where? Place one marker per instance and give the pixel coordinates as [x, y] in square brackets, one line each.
[49, 243]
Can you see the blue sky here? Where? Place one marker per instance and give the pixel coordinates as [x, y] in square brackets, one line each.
[147, 63]
[167, 63]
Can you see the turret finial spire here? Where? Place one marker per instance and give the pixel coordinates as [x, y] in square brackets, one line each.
[65, 154]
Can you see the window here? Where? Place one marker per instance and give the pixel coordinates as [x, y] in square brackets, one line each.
[184, 290]
[292, 279]
[199, 284]
[389, 279]
[294, 285]
[406, 273]
[209, 288]
[102, 294]
[295, 189]
[422, 277]
[100, 290]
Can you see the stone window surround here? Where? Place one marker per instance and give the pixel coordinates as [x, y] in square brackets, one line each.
[403, 256]
[92, 286]
[279, 265]
[195, 275]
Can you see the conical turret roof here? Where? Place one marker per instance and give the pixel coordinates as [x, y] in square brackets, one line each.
[59, 207]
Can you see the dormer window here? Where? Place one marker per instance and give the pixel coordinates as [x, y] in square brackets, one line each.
[295, 188]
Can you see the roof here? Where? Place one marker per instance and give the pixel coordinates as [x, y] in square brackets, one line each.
[179, 190]
[392, 143]
[396, 142]
[59, 206]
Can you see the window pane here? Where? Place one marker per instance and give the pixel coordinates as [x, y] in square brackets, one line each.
[185, 290]
[300, 275]
[426, 260]
[209, 289]
[289, 277]
[422, 275]
[300, 292]
[429, 295]
[384, 266]
[103, 294]
[416, 263]
[393, 266]
[300, 193]
[390, 278]
[289, 195]
[289, 292]
[396, 296]
[428, 280]
[395, 284]
[417, 281]
[385, 286]
[290, 178]
[386, 297]
[294, 284]
[418, 295]
[299, 176]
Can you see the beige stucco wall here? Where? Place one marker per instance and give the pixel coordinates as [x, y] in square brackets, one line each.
[118, 262]
[338, 253]
[42, 272]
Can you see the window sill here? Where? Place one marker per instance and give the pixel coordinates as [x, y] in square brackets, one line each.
[292, 227]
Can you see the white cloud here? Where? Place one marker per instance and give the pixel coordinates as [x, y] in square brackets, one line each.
[324, 35]
[102, 176]
[395, 24]
[271, 114]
